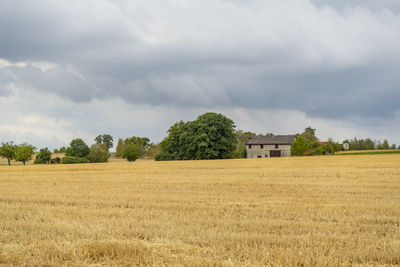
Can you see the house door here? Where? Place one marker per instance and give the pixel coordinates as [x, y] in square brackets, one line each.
[275, 153]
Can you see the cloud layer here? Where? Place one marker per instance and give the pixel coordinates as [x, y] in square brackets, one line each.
[153, 62]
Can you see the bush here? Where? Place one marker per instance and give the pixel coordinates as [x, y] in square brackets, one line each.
[166, 156]
[131, 152]
[74, 160]
[77, 148]
[98, 153]
[43, 157]
[56, 160]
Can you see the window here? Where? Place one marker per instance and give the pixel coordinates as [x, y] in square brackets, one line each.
[261, 146]
[259, 156]
[249, 146]
[276, 146]
[266, 155]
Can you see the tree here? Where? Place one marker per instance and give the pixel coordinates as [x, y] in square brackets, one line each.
[77, 148]
[241, 138]
[98, 153]
[118, 151]
[24, 152]
[62, 149]
[384, 145]
[131, 152]
[7, 150]
[210, 136]
[43, 157]
[331, 147]
[143, 143]
[393, 146]
[299, 147]
[105, 139]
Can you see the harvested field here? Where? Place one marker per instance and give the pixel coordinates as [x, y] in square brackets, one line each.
[284, 211]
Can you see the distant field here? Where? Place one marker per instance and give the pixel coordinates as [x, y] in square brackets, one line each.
[370, 152]
[308, 211]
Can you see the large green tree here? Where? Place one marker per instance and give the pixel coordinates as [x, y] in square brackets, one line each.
[300, 146]
[210, 136]
[24, 152]
[7, 150]
[77, 148]
[106, 139]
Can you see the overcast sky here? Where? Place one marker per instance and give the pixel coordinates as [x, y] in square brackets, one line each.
[72, 68]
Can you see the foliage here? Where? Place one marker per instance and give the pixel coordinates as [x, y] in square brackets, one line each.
[210, 136]
[77, 148]
[56, 160]
[62, 149]
[299, 147]
[131, 152]
[241, 138]
[7, 150]
[105, 139]
[24, 152]
[118, 152]
[384, 145]
[98, 153]
[360, 144]
[332, 147]
[43, 157]
[74, 160]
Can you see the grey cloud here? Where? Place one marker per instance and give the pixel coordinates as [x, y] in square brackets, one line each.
[250, 54]
[375, 5]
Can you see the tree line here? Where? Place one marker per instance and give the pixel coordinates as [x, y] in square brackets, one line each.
[210, 136]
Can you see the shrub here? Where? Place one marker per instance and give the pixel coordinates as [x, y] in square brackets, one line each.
[74, 160]
[98, 153]
[77, 148]
[43, 157]
[131, 152]
[56, 160]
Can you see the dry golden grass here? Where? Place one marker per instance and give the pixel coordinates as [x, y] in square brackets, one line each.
[289, 211]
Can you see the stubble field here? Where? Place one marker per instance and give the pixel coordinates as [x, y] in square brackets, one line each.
[290, 211]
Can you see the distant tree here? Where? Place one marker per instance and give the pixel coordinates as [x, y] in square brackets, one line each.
[43, 157]
[143, 143]
[269, 134]
[7, 150]
[331, 147]
[384, 145]
[120, 147]
[77, 148]
[98, 153]
[154, 149]
[241, 138]
[131, 152]
[393, 146]
[210, 136]
[62, 149]
[105, 139]
[24, 152]
[299, 147]
[310, 138]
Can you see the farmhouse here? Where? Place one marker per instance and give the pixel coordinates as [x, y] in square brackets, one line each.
[262, 146]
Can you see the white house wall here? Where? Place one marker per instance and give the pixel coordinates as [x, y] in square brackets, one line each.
[255, 151]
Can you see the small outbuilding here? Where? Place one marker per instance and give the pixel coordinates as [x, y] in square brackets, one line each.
[262, 146]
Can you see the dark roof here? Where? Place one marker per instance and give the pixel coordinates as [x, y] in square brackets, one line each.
[271, 140]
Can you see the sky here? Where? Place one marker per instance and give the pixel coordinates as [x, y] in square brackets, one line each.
[76, 69]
